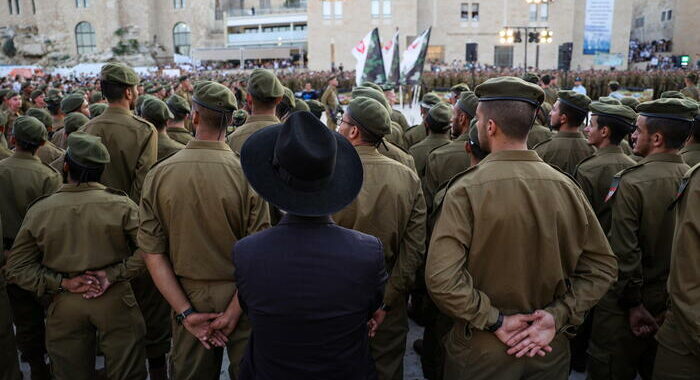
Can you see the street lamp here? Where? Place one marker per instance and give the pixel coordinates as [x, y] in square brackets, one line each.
[507, 36]
[534, 34]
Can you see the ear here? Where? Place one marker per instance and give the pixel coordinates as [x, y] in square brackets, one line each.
[657, 140]
[354, 133]
[605, 132]
[195, 117]
[491, 127]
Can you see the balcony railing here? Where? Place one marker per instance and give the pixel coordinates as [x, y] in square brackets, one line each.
[237, 12]
[266, 38]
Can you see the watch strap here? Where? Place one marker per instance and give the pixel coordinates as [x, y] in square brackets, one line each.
[497, 325]
[181, 317]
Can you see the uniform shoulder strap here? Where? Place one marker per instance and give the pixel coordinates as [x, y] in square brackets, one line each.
[164, 158]
[581, 163]
[684, 185]
[616, 181]
[396, 146]
[38, 199]
[569, 176]
[142, 120]
[541, 143]
[446, 186]
[50, 168]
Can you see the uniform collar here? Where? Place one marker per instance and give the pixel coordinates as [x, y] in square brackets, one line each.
[513, 155]
[567, 135]
[202, 144]
[662, 157]
[255, 118]
[177, 130]
[25, 156]
[609, 149]
[117, 110]
[72, 188]
[691, 148]
[437, 136]
[366, 150]
[463, 137]
[296, 219]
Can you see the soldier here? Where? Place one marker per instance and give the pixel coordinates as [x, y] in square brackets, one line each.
[567, 147]
[539, 132]
[437, 125]
[396, 115]
[177, 128]
[193, 270]
[513, 195]
[550, 92]
[264, 93]
[9, 363]
[286, 106]
[330, 101]
[53, 104]
[417, 132]
[630, 102]
[97, 98]
[641, 234]
[678, 354]
[72, 123]
[97, 109]
[614, 87]
[91, 295]
[400, 226]
[395, 136]
[456, 91]
[316, 108]
[13, 104]
[69, 104]
[37, 99]
[23, 178]
[300, 105]
[4, 150]
[691, 87]
[48, 152]
[156, 112]
[132, 142]
[691, 150]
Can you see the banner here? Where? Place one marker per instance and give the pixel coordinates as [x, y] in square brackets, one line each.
[390, 53]
[370, 64]
[414, 59]
[613, 60]
[597, 30]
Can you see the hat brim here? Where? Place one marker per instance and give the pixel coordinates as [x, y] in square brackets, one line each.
[341, 190]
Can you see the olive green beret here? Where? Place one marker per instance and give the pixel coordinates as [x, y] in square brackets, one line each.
[72, 103]
[467, 102]
[153, 89]
[87, 150]
[430, 99]
[300, 105]
[619, 112]
[4, 92]
[672, 95]
[692, 76]
[119, 73]
[614, 83]
[387, 87]
[239, 117]
[669, 108]
[53, 96]
[79, 92]
[288, 97]
[178, 104]
[439, 117]
[3, 119]
[575, 100]
[531, 77]
[42, 115]
[459, 87]
[609, 100]
[510, 88]
[11, 94]
[35, 94]
[96, 97]
[215, 97]
[156, 111]
[317, 108]
[372, 85]
[183, 78]
[30, 130]
[96, 109]
[264, 84]
[370, 115]
[74, 121]
[630, 102]
[369, 92]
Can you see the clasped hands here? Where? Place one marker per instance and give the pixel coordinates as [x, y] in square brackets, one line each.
[527, 334]
[211, 329]
[90, 284]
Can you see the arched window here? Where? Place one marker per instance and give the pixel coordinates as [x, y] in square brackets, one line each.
[181, 38]
[85, 38]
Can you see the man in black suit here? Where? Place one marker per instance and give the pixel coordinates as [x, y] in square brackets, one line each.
[311, 289]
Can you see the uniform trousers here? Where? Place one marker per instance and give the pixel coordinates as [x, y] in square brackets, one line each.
[9, 365]
[389, 345]
[156, 313]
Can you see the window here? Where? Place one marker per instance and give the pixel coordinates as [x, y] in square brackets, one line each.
[299, 28]
[503, 56]
[475, 12]
[179, 4]
[14, 6]
[533, 12]
[544, 12]
[668, 14]
[85, 38]
[386, 8]
[33, 7]
[338, 5]
[326, 9]
[81, 3]
[181, 38]
[375, 8]
[639, 22]
[464, 12]
[663, 16]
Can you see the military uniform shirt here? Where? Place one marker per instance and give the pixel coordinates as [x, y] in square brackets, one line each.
[565, 150]
[4, 152]
[59, 138]
[444, 163]
[538, 134]
[167, 146]
[398, 117]
[179, 134]
[398, 154]
[414, 135]
[691, 154]
[421, 150]
[691, 92]
[253, 124]
[49, 152]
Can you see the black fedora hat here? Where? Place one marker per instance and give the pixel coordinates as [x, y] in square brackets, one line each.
[302, 167]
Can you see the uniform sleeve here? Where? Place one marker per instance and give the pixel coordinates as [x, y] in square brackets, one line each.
[624, 240]
[52, 183]
[411, 252]
[147, 158]
[586, 185]
[24, 266]
[134, 265]
[259, 217]
[594, 273]
[151, 237]
[381, 278]
[430, 181]
[446, 276]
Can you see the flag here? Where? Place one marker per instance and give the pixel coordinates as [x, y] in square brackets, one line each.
[390, 52]
[414, 58]
[370, 65]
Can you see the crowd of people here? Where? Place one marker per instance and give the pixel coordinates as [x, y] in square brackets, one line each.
[532, 231]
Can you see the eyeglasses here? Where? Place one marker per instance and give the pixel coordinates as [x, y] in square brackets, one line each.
[346, 122]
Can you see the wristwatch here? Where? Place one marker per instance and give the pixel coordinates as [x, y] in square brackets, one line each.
[181, 317]
[497, 325]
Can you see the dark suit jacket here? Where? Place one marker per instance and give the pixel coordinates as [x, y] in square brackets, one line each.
[309, 287]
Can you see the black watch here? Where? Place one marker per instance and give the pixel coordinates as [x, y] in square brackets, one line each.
[497, 325]
[181, 317]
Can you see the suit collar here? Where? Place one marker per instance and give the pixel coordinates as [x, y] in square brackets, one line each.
[296, 219]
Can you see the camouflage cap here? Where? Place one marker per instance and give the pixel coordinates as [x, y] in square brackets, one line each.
[119, 73]
[609, 100]
[672, 95]
[35, 94]
[467, 103]
[96, 96]
[459, 87]
[630, 102]
[178, 104]
[317, 108]
[42, 115]
[429, 100]
[30, 130]
[74, 121]
[573, 99]
[372, 85]
[370, 115]
[156, 111]
[531, 77]
[620, 112]
[510, 88]
[371, 93]
[96, 109]
[240, 117]
[439, 117]
[87, 150]
[264, 84]
[215, 96]
[300, 105]
[669, 108]
[72, 103]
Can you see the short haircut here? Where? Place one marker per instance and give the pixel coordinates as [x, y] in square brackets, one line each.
[265, 102]
[27, 146]
[283, 109]
[696, 131]
[212, 119]
[178, 117]
[574, 116]
[614, 86]
[546, 79]
[83, 174]
[514, 118]
[113, 91]
[54, 108]
[675, 132]
[618, 129]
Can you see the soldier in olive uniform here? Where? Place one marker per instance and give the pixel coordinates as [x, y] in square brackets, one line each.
[9, 363]
[691, 87]
[265, 92]
[396, 115]
[72, 122]
[437, 124]
[641, 236]
[69, 104]
[96, 109]
[456, 92]
[330, 100]
[417, 132]
[48, 152]
[400, 226]
[286, 106]
[132, 142]
[567, 147]
[395, 135]
[193, 270]
[300, 105]
[4, 150]
[550, 92]
[23, 178]
[678, 354]
[91, 295]
[691, 149]
[156, 112]
[513, 196]
[176, 128]
[316, 108]
[13, 104]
